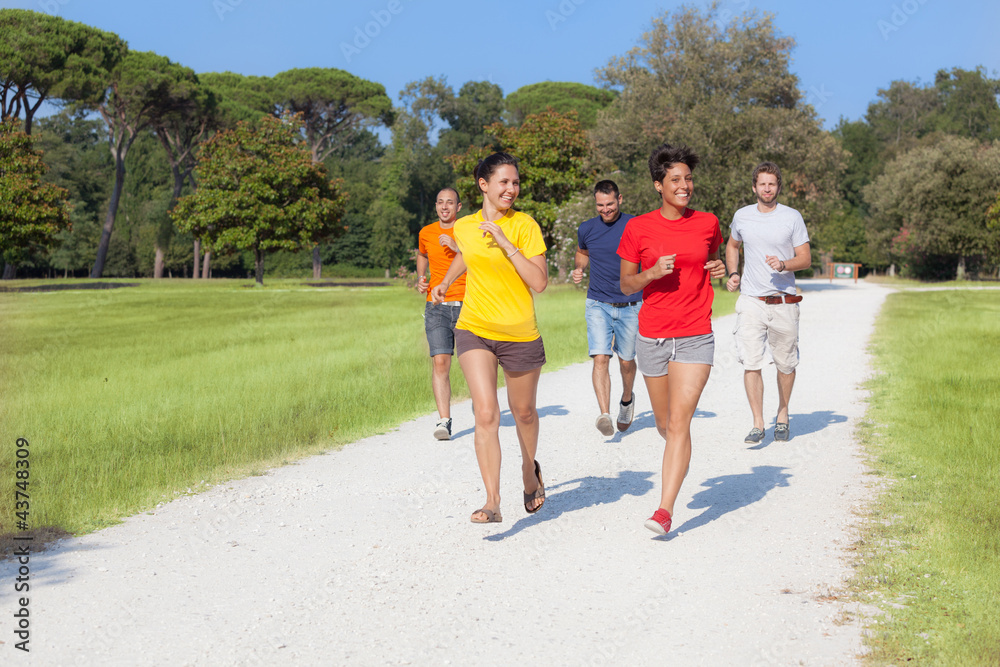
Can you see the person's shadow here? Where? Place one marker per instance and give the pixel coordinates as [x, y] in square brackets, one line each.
[507, 419]
[802, 424]
[732, 492]
[646, 419]
[586, 492]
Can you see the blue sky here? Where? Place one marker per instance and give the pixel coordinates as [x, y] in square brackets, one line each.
[845, 51]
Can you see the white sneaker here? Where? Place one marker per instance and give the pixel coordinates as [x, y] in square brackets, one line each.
[604, 424]
[443, 430]
[625, 414]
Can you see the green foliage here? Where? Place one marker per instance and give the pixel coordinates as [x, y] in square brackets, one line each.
[560, 96]
[552, 149]
[45, 57]
[259, 191]
[930, 555]
[929, 205]
[725, 90]
[332, 104]
[240, 98]
[32, 211]
[477, 104]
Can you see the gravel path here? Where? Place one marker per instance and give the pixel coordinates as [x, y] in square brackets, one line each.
[367, 557]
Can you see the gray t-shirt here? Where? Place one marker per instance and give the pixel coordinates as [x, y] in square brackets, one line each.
[776, 233]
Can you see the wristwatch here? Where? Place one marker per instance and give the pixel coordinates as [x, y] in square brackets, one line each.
[734, 273]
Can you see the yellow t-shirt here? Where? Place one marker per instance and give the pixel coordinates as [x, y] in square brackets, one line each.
[498, 304]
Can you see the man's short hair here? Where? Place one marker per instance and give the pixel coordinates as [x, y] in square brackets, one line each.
[767, 168]
[607, 188]
[665, 156]
[458, 197]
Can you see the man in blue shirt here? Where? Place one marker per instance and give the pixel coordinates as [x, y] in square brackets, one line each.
[612, 317]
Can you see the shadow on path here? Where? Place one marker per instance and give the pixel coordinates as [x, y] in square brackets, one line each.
[507, 419]
[729, 493]
[590, 491]
[802, 424]
[646, 419]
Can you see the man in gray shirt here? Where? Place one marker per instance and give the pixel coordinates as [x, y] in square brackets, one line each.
[776, 244]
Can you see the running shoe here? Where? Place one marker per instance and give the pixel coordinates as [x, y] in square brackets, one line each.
[443, 430]
[625, 414]
[754, 436]
[604, 424]
[660, 522]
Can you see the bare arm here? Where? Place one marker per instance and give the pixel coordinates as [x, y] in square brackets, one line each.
[633, 280]
[733, 263]
[422, 264]
[533, 270]
[581, 260]
[801, 260]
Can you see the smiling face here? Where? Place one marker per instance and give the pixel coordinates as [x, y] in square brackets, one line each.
[766, 188]
[447, 206]
[502, 188]
[608, 205]
[676, 187]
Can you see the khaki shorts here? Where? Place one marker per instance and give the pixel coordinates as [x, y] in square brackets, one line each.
[777, 325]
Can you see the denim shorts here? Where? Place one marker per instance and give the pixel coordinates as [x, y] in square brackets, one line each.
[655, 354]
[513, 356]
[439, 324]
[612, 329]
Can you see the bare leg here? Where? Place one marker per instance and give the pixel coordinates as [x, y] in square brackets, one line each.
[602, 382]
[785, 383]
[480, 369]
[754, 383]
[628, 378]
[441, 383]
[674, 398]
[522, 390]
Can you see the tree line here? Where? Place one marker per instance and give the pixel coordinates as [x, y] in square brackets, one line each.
[150, 169]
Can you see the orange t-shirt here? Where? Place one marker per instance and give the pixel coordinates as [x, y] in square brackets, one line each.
[439, 257]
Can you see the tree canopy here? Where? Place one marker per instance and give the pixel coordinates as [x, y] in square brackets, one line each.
[45, 57]
[560, 96]
[259, 190]
[929, 206]
[32, 211]
[726, 91]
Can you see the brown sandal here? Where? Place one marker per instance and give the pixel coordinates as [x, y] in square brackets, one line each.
[491, 516]
[539, 492]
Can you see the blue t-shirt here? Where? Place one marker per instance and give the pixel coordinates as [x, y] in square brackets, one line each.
[601, 240]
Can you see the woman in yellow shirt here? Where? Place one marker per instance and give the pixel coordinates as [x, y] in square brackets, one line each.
[503, 253]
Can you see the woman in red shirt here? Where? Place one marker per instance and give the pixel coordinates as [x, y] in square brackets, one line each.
[666, 254]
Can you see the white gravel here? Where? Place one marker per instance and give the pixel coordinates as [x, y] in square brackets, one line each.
[367, 557]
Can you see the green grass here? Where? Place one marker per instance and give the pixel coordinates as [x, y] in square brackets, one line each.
[930, 554]
[131, 396]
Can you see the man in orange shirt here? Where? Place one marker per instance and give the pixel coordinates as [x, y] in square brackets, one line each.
[436, 249]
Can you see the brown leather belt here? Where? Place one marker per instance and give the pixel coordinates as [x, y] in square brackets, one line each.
[784, 298]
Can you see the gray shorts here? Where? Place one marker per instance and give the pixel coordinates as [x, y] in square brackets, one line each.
[653, 355]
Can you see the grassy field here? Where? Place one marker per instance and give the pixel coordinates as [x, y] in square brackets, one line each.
[930, 555]
[130, 396]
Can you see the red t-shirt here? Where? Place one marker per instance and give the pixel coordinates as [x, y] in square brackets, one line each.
[679, 303]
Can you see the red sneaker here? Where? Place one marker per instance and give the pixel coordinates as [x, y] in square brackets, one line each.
[659, 522]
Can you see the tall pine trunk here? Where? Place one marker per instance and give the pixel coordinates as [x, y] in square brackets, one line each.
[109, 219]
[317, 264]
[258, 256]
[206, 266]
[197, 257]
[167, 226]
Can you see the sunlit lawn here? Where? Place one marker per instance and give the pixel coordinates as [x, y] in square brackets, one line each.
[130, 396]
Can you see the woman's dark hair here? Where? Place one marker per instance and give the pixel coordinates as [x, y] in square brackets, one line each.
[665, 156]
[489, 164]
